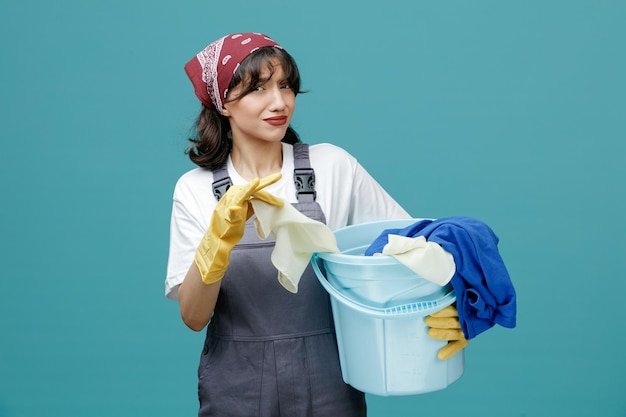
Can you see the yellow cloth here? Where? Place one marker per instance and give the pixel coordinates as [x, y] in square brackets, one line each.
[427, 259]
[297, 238]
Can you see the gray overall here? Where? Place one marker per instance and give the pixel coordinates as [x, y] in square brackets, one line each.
[269, 352]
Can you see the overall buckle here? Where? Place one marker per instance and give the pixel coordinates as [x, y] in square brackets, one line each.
[304, 179]
[221, 186]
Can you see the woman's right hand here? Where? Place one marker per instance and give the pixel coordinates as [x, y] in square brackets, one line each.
[228, 225]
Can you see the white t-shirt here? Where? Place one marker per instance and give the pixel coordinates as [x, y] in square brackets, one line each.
[345, 191]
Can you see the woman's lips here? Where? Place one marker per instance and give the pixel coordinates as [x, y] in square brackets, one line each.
[276, 121]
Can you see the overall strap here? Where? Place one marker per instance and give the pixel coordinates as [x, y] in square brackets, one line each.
[221, 182]
[303, 176]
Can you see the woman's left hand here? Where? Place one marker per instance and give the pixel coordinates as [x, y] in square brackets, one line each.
[445, 325]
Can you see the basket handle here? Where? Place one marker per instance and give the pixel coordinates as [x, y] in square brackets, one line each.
[420, 308]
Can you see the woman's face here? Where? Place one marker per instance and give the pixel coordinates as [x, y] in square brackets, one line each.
[265, 113]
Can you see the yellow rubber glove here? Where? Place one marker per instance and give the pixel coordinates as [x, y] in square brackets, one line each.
[228, 225]
[445, 325]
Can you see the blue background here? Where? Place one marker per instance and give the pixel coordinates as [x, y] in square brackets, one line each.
[508, 111]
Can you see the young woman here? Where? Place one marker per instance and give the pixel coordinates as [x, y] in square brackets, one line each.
[268, 352]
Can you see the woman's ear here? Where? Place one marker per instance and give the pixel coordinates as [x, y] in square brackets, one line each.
[225, 112]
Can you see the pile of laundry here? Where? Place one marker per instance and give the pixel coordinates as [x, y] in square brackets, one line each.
[484, 292]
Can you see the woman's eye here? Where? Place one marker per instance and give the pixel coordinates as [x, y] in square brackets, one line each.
[258, 88]
[286, 86]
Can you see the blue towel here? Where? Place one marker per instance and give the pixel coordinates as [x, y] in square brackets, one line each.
[484, 292]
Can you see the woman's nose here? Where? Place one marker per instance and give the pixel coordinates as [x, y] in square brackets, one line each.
[278, 101]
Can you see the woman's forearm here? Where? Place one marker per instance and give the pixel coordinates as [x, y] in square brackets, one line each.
[196, 299]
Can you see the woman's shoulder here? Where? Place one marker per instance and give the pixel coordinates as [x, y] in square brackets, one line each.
[193, 180]
[329, 152]
[326, 147]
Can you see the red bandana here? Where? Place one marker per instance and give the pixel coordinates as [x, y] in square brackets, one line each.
[213, 68]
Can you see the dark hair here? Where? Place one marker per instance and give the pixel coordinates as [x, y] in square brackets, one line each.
[211, 144]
